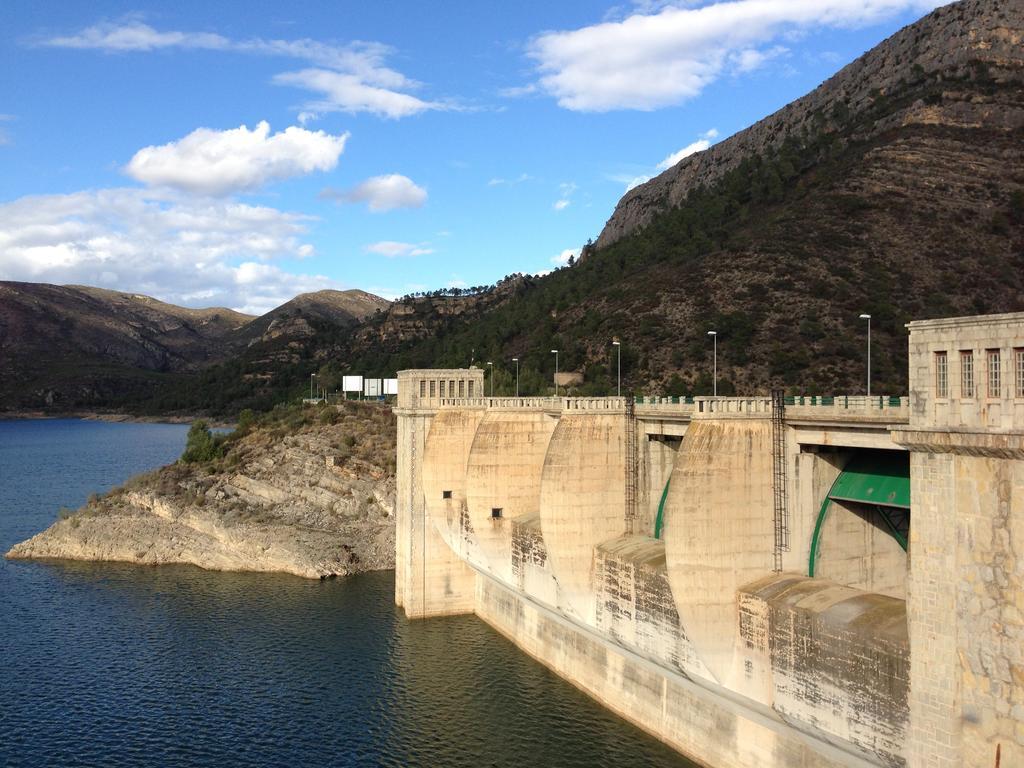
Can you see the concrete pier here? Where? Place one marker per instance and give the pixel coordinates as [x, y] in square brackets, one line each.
[869, 615]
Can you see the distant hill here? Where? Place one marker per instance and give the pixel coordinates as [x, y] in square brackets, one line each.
[293, 318]
[76, 347]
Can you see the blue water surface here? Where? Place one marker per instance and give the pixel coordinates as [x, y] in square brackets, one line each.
[105, 664]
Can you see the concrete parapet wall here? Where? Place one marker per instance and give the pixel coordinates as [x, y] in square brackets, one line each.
[718, 530]
[838, 660]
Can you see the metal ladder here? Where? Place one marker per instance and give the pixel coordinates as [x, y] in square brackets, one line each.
[780, 511]
[631, 464]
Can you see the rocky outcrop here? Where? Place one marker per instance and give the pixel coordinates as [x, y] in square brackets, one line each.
[305, 503]
[945, 46]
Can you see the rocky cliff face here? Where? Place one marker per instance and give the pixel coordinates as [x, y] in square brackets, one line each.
[948, 47]
[297, 500]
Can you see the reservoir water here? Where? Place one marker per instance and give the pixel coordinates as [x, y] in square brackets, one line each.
[104, 664]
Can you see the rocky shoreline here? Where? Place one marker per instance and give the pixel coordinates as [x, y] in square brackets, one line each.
[308, 492]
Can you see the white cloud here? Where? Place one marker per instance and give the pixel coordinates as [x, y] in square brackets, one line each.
[212, 162]
[136, 36]
[498, 181]
[382, 193]
[349, 78]
[185, 251]
[346, 92]
[706, 140]
[690, 149]
[653, 60]
[518, 91]
[5, 138]
[393, 249]
[750, 59]
[633, 180]
[562, 259]
[565, 190]
[636, 181]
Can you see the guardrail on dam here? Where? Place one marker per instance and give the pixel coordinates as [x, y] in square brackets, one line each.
[800, 582]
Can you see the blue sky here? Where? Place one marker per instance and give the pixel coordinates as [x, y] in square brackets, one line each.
[239, 153]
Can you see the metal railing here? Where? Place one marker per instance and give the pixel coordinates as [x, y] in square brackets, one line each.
[818, 407]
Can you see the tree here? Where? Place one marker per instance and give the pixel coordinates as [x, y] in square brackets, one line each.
[200, 445]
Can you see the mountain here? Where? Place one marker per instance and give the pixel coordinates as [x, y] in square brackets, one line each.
[76, 347]
[294, 318]
[896, 188]
[928, 74]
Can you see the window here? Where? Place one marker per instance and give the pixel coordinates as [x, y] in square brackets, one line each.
[433, 389]
[462, 387]
[967, 374]
[1018, 358]
[451, 388]
[994, 378]
[423, 388]
[941, 375]
[446, 494]
[441, 388]
[495, 512]
[471, 389]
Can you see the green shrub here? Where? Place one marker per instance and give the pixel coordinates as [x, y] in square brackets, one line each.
[200, 445]
[246, 420]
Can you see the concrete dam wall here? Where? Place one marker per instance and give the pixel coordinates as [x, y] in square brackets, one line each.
[740, 577]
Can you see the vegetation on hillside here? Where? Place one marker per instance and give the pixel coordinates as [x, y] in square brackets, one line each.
[780, 257]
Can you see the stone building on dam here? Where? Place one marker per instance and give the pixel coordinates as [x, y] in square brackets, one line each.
[808, 581]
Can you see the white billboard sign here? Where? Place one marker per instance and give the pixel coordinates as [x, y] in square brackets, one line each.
[372, 388]
[390, 386]
[351, 383]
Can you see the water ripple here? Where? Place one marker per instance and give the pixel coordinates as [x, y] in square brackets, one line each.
[121, 665]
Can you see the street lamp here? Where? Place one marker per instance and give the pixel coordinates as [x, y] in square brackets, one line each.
[868, 318]
[555, 353]
[714, 374]
[516, 361]
[311, 377]
[618, 388]
[491, 365]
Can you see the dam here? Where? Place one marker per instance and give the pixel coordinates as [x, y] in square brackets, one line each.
[780, 581]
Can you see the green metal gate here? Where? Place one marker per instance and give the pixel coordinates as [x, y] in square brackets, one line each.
[879, 479]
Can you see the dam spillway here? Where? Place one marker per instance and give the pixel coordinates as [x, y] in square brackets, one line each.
[877, 631]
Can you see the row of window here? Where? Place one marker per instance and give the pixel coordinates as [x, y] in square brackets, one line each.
[437, 388]
[993, 379]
